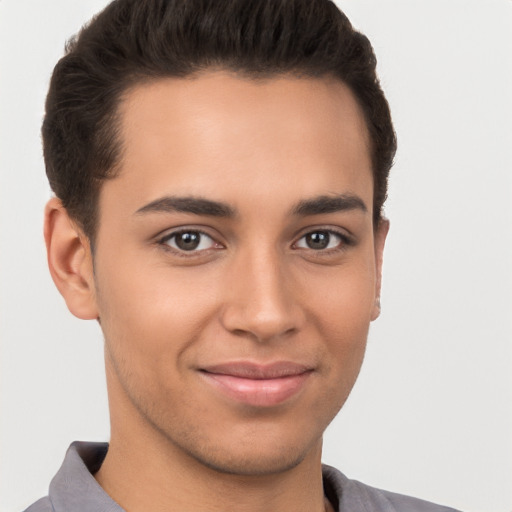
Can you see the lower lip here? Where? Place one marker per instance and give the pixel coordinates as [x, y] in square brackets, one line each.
[258, 392]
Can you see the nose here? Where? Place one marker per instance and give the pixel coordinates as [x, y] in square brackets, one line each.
[262, 299]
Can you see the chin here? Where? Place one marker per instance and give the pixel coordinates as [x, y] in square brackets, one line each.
[256, 463]
[248, 447]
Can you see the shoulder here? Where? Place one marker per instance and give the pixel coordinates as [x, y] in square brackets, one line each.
[356, 496]
[399, 502]
[42, 505]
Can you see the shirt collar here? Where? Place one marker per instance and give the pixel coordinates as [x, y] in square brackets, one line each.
[75, 488]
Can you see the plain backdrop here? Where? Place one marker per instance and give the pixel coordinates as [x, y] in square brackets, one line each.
[431, 414]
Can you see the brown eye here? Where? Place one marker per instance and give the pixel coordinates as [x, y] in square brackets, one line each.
[320, 240]
[189, 241]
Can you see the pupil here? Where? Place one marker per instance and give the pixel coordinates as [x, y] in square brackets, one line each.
[318, 240]
[187, 241]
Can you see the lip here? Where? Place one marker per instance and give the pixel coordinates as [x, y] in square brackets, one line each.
[258, 385]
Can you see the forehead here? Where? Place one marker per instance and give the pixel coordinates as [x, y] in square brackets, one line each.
[204, 135]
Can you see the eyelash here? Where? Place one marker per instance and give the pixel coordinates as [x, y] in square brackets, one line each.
[163, 242]
[345, 241]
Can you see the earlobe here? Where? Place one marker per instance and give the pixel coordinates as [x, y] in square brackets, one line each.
[70, 261]
[381, 233]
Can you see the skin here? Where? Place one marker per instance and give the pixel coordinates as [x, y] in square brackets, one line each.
[255, 289]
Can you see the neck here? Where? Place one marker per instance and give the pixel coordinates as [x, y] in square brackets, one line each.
[140, 480]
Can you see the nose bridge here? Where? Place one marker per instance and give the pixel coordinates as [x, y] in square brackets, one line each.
[261, 299]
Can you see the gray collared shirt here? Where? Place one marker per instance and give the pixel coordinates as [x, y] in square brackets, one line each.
[74, 489]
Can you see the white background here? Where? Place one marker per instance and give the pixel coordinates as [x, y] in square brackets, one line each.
[431, 414]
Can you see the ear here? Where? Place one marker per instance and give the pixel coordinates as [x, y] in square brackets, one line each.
[70, 261]
[380, 235]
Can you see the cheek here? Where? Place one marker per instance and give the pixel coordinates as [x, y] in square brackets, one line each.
[341, 311]
[151, 314]
[343, 300]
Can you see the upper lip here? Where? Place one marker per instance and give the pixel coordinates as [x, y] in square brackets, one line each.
[257, 371]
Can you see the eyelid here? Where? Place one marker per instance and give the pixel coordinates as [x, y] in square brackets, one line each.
[162, 239]
[347, 239]
[184, 228]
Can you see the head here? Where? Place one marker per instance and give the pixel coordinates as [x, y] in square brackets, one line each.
[220, 170]
[138, 41]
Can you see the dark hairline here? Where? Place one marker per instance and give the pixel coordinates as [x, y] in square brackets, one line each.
[132, 42]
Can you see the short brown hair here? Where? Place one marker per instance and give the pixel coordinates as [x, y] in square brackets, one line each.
[132, 41]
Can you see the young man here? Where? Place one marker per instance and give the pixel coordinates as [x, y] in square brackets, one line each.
[219, 171]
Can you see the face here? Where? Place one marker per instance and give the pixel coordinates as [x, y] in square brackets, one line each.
[237, 267]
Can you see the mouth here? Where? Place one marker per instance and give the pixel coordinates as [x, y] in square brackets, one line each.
[257, 385]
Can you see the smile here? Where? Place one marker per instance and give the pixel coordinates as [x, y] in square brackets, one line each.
[258, 385]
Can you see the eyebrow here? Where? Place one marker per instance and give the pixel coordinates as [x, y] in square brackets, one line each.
[329, 204]
[193, 205]
[201, 206]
